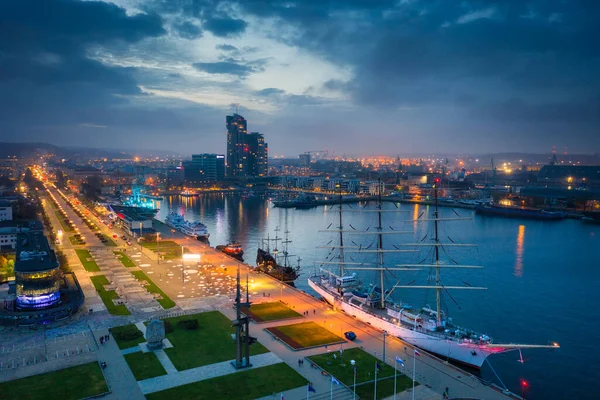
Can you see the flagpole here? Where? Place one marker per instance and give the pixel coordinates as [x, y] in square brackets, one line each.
[375, 391]
[354, 395]
[331, 389]
[395, 372]
[414, 364]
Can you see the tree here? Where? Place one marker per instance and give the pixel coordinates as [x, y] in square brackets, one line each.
[92, 187]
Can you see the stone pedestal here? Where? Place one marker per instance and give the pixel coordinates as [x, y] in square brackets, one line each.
[155, 333]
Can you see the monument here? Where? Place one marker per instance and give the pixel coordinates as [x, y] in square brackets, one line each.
[155, 334]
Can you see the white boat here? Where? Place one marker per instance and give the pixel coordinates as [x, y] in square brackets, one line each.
[194, 229]
[429, 329]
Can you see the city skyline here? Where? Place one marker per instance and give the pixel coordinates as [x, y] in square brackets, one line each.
[474, 77]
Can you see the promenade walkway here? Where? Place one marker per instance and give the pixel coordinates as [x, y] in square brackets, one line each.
[178, 378]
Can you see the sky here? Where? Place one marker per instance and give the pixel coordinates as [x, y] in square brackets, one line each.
[354, 77]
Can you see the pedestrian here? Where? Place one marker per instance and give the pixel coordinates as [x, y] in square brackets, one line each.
[302, 361]
[101, 339]
[108, 337]
[314, 311]
[298, 362]
[447, 392]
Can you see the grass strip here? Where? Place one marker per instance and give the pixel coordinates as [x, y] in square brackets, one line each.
[108, 296]
[244, 385]
[127, 336]
[65, 225]
[210, 343]
[144, 365]
[341, 368]
[86, 259]
[272, 311]
[165, 301]
[72, 383]
[126, 261]
[305, 334]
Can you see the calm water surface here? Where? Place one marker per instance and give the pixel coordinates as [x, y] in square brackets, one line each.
[543, 278]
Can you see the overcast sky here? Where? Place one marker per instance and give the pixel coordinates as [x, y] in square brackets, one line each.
[357, 76]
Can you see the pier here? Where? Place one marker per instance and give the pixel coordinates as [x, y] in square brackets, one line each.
[432, 373]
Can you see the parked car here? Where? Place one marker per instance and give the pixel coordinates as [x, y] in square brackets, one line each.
[351, 336]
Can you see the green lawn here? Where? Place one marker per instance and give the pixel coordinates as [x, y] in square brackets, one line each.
[273, 311]
[245, 385]
[144, 365]
[210, 343]
[165, 301]
[130, 330]
[305, 334]
[86, 259]
[365, 372]
[107, 296]
[126, 261]
[66, 384]
[65, 225]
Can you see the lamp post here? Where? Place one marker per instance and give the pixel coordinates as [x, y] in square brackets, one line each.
[182, 265]
[524, 385]
[384, 336]
[353, 363]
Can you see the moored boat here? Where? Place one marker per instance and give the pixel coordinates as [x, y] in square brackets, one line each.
[519, 212]
[429, 328]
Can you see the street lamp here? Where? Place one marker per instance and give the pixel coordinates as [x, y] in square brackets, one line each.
[353, 363]
[158, 247]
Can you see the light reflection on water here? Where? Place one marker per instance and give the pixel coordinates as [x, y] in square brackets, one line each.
[520, 250]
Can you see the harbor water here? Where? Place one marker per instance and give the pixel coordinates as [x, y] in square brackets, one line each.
[542, 278]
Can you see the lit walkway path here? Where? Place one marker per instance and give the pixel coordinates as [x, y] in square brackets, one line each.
[119, 377]
[175, 379]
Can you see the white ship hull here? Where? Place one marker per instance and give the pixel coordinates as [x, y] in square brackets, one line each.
[471, 354]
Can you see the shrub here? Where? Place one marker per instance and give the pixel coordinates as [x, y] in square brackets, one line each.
[189, 324]
[128, 334]
[168, 327]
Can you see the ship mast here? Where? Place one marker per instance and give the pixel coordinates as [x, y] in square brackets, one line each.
[380, 248]
[341, 229]
[438, 290]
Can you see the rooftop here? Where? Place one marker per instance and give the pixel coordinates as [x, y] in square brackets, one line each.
[34, 253]
[33, 225]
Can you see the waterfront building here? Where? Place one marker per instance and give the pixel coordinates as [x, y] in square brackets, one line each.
[6, 213]
[257, 155]
[175, 175]
[236, 132]
[204, 168]
[37, 274]
[247, 154]
[570, 174]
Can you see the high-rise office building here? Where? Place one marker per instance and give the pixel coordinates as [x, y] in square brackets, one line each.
[257, 154]
[247, 154]
[236, 134]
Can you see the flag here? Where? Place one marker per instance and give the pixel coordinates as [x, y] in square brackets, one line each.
[417, 352]
[400, 361]
[333, 380]
[311, 389]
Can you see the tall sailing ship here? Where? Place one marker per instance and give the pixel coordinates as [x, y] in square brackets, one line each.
[430, 329]
[267, 261]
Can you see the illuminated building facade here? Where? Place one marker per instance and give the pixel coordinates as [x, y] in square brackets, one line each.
[37, 274]
[247, 154]
[237, 131]
[204, 168]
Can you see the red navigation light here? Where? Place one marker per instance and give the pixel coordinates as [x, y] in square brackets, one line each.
[437, 180]
[524, 383]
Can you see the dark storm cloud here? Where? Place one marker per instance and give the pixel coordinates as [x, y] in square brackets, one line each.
[47, 78]
[187, 30]
[225, 26]
[224, 67]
